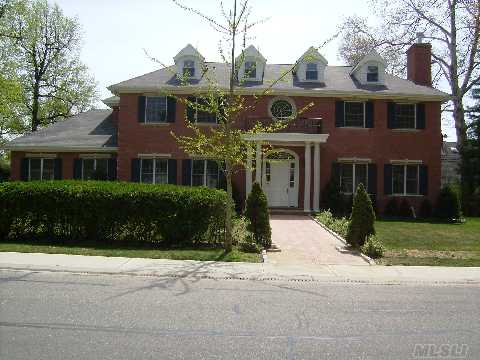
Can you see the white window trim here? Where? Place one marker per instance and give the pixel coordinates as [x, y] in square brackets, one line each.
[204, 183]
[40, 155]
[185, 67]
[95, 156]
[378, 74]
[345, 115]
[285, 98]
[166, 111]
[41, 168]
[353, 163]
[247, 75]
[414, 116]
[405, 179]
[307, 70]
[154, 180]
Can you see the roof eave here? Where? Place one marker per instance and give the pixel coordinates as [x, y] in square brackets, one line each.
[42, 148]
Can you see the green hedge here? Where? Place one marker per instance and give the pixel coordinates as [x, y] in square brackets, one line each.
[99, 211]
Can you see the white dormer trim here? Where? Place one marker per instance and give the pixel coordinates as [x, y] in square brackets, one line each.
[311, 56]
[189, 54]
[372, 59]
[251, 54]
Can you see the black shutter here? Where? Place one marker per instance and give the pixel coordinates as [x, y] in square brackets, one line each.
[57, 169]
[369, 114]
[222, 180]
[135, 170]
[112, 169]
[171, 109]
[335, 172]
[387, 179]
[391, 115]
[339, 114]
[172, 171]
[142, 100]
[77, 169]
[420, 108]
[24, 169]
[372, 178]
[423, 180]
[190, 110]
[187, 172]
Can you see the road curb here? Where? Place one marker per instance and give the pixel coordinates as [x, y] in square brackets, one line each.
[368, 259]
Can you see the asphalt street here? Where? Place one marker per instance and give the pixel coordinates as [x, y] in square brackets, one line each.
[54, 315]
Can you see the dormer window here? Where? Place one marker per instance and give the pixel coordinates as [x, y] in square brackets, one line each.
[372, 74]
[189, 68]
[250, 69]
[311, 72]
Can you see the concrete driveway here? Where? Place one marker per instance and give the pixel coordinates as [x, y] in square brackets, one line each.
[303, 242]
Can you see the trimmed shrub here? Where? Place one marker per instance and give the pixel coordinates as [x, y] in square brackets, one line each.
[391, 208]
[448, 205]
[405, 209]
[249, 246]
[425, 209]
[362, 219]
[102, 211]
[257, 214]
[373, 247]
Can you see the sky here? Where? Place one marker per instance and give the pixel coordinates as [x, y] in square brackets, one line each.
[118, 33]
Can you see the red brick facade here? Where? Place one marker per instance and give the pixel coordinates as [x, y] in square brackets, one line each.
[379, 144]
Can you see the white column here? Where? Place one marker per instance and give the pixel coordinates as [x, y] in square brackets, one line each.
[306, 190]
[248, 171]
[258, 164]
[316, 177]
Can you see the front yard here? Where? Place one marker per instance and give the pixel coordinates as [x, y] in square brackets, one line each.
[429, 243]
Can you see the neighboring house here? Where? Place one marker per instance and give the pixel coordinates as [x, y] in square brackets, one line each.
[450, 163]
[365, 126]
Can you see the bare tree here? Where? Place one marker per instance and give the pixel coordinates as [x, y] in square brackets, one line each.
[452, 27]
[226, 143]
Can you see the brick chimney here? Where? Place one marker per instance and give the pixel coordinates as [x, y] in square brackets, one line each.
[419, 60]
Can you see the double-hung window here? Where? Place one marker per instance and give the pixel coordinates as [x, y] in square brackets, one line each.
[205, 173]
[311, 72]
[156, 109]
[41, 169]
[405, 179]
[354, 114]
[351, 175]
[250, 69]
[154, 171]
[405, 116]
[372, 74]
[198, 114]
[94, 169]
[189, 68]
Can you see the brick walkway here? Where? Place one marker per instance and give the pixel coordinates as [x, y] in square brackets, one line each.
[304, 242]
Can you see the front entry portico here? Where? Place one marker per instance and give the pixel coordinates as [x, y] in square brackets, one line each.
[279, 175]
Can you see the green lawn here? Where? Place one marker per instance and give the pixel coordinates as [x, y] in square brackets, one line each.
[174, 254]
[429, 243]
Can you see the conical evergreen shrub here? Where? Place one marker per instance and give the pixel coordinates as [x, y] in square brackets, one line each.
[362, 218]
[257, 213]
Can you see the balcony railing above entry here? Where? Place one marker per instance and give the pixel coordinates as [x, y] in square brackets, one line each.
[302, 125]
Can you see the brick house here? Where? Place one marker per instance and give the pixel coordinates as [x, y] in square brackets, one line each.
[364, 126]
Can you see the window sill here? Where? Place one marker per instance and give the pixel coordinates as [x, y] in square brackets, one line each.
[205, 124]
[406, 130]
[155, 124]
[406, 195]
[354, 127]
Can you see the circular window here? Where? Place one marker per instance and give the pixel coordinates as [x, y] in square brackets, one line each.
[282, 109]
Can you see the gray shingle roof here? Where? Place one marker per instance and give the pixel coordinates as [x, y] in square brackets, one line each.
[94, 129]
[337, 80]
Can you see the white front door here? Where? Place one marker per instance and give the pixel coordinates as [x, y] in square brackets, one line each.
[280, 183]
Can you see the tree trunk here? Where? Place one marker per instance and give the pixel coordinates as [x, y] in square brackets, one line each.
[459, 117]
[35, 106]
[228, 212]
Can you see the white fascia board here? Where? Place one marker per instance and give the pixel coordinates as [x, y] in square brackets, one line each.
[65, 149]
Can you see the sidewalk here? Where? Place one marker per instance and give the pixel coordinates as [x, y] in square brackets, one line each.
[243, 271]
